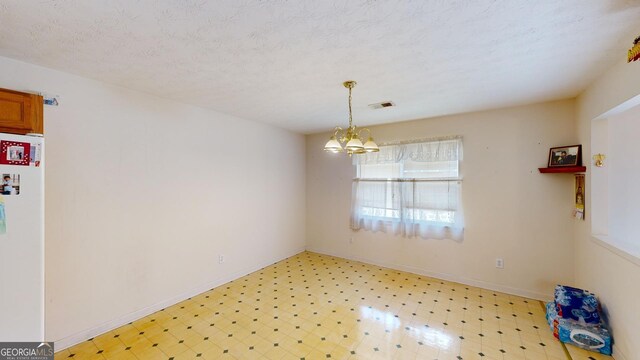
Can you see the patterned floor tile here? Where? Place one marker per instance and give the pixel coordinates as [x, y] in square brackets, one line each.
[313, 306]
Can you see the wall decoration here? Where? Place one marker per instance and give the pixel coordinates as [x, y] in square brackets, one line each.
[15, 153]
[579, 196]
[598, 160]
[634, 52]
[53, 100]
[10, 184]
[565, 156]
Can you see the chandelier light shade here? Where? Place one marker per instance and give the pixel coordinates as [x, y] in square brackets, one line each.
[351, 135]
[354, 145]
[371, 146]
[333, 145]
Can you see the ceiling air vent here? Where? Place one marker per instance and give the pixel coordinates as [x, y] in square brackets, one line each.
[384, 104]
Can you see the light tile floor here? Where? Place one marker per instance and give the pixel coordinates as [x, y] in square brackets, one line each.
[577, 353]
[312, 306]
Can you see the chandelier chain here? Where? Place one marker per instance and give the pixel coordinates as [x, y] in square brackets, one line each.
[350, 117]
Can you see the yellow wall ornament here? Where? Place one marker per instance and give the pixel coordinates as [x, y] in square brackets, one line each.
[634, 52]
[599, 160]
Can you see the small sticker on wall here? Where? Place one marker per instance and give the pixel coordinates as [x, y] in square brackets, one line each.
[10, 184]
[53, 100]
[15, 153]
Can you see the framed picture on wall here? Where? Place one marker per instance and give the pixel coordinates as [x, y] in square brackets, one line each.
[565, 156]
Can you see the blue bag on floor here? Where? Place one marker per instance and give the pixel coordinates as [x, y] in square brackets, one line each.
[552, 314]
[576, 304]
[592, 337]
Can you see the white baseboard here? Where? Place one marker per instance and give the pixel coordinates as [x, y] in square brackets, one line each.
[123, 320]
[448, 277]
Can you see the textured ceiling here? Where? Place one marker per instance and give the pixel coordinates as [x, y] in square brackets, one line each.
[283, 62]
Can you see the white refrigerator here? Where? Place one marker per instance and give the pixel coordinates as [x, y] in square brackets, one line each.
[21, 238]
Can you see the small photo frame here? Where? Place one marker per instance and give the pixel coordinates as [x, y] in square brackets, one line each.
[10, 184]
[565, 156]
[15, 153]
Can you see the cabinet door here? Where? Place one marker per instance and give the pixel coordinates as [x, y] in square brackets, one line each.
[20, 113]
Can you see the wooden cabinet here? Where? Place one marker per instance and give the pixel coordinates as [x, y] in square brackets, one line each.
[20, 113]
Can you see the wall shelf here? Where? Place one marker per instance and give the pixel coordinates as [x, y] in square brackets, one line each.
[567, 169]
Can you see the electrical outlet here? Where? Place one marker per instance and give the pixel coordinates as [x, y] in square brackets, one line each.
[500, 263]
[220, 259]
[351, 240]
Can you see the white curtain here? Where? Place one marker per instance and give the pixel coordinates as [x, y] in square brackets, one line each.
[411, 190]
[428, 151]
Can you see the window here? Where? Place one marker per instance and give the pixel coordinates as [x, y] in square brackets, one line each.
[411, 189]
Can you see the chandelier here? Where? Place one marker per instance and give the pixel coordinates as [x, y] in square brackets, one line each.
[352, 136]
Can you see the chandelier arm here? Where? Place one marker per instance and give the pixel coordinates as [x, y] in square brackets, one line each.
[363, 129]
[340, 134]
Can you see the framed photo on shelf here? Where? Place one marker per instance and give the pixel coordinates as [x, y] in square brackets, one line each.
[565, 156]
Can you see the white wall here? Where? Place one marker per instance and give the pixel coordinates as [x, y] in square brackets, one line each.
[599, 267]
[143, 194]
[511, 210]
[623, 166]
